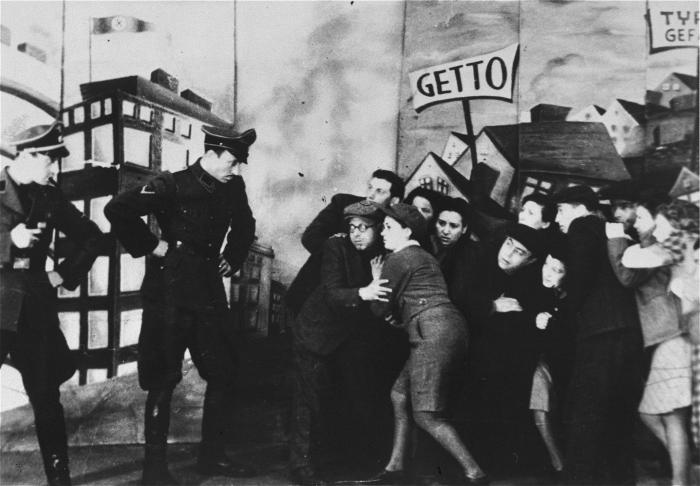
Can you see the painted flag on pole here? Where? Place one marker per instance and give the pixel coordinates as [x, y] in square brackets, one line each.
[119, 24]
[485, 76]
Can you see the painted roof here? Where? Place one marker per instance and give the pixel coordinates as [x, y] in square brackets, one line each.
[688, 80]
[636, 110]
[580, 149]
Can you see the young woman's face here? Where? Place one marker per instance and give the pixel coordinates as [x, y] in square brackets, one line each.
[424, 206]
[644, 222]
[394, 235]
[553, 272]
[663, 228]
[449, 227]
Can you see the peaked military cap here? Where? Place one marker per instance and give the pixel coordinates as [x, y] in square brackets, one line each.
[229, 139]
[43, 139]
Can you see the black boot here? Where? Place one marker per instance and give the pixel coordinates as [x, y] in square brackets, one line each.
[57, 473]
[51, 433]
[215, 424]
[213, 462]
[155, 467]
[157, 422]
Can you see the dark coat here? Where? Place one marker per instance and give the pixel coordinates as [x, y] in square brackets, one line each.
[194, 212]
[47, 355]
[456, 263]
[327, 223]
[334, 311]
[503, 357]
[597, 301]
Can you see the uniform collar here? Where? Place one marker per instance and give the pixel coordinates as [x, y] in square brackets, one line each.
[10, 193]
[209, 183]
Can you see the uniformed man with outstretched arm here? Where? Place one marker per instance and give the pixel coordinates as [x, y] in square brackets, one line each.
[183, 293]
[32, 207]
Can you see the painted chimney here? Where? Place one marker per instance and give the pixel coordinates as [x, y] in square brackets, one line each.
[190, 95]
[165, 80]
[33, 51]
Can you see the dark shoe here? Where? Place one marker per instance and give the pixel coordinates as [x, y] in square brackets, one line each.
[306, 476]
[57, 473]
[385, 477]
[157, 476]
[223, 466]
[478, 480]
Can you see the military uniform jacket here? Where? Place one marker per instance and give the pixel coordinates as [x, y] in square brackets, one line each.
[194, 212]
[23, 271]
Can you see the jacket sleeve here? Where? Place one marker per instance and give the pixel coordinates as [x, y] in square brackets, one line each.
[397, 275]
[125, 210]
[479, 301]
[84, 234]
[326, 223]
[583, 264]
[242, 231]
[334, 280]
[628, 277]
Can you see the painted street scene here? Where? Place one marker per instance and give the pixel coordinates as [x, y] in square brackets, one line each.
[349, 242]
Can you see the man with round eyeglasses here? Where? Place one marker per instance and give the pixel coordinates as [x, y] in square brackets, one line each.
[336, 333]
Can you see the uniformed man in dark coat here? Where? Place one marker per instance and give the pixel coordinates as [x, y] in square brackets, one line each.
[183, 293]
[607, 371]
[32, 207]
[336, 330]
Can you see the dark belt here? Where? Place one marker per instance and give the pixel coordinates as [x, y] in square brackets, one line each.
[190, 249]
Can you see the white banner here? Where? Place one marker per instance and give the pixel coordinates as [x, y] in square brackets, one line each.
[672, 25]
[486, 76]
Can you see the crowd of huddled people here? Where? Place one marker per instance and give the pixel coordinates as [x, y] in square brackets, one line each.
[518, 347]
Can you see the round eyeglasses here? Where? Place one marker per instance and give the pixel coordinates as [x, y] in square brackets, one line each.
[361, 228]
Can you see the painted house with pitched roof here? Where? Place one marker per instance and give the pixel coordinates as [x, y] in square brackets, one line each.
[455, 147]
[591, 113]
[625, 121]
[674, 85]
[546, 157]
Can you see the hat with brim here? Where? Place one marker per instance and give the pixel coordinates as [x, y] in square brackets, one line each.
[42, 139]
[408, 216]
[363, 209]
[530, 238]
[577, 195]
[226, 138]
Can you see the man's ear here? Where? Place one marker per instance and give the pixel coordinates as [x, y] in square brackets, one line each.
[546, 224]
[394, 200]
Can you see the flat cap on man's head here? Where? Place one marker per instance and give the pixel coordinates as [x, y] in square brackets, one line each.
[627, 190]
[42, 139]
[530, 238]
[577, 195]
[409, 216]
[226, 138]
[363, 209]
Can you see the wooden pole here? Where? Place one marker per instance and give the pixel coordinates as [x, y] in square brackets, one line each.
[471, 139]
